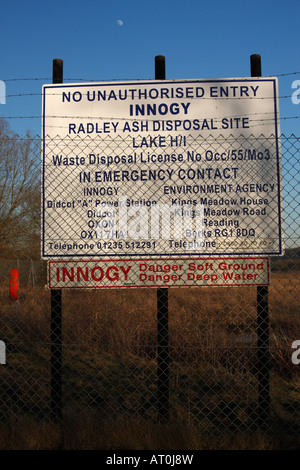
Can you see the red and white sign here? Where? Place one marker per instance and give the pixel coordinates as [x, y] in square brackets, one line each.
[128, 273]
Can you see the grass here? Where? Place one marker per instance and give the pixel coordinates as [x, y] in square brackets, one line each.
[87, 433]
[109, 369]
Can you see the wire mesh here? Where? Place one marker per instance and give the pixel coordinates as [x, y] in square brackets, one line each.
[207, 374]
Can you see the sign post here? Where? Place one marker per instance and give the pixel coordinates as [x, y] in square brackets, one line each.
[56, 314]
[263, 363]
[163, 374]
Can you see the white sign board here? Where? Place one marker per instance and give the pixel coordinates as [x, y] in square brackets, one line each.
[174, 272]
[161, 168]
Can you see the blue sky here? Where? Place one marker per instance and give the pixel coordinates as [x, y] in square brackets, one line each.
[114, 39]
[107, 40]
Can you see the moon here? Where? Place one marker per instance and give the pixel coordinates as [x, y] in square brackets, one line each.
[120, 22]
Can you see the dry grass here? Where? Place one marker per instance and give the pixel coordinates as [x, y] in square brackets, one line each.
[110, 342]
[86, 432]
[204, 323]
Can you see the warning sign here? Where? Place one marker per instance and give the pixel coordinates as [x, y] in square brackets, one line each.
[170, 168]
[129, 273]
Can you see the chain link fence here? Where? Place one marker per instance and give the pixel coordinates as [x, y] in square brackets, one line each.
[110, 346]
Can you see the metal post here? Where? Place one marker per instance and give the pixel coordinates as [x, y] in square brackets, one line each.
[163, 392]
[163, 354]
[56, 354]
[57, 76]
[263, 359]
[160, 67]
[56, 313]
[255, 63]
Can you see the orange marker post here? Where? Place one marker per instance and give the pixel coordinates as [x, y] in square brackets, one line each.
[14, 284]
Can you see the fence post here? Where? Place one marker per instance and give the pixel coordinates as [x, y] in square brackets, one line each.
[263, 359]
[163, 392]
[56, 354]
[162, 354]
[56, 313]
[263, 354]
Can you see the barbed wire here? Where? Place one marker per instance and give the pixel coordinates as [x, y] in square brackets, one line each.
[79, 79]
[225, 98]
[17, 137]
[122, 79]
[135, 119]
[83, 79]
